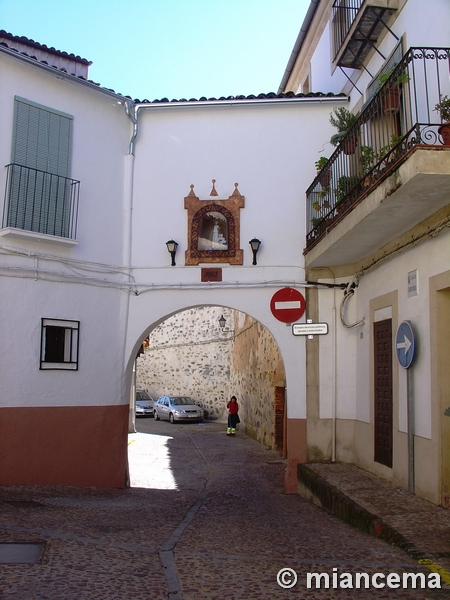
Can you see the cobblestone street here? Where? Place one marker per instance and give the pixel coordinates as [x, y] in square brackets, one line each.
[205, 519]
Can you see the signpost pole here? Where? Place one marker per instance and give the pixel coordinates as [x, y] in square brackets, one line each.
[406, 349]
[410, 405]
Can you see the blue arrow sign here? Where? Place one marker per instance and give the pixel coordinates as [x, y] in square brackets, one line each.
[405, 344]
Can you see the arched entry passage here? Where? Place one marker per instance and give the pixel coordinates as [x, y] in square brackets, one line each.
[146, 315]
[211, 353]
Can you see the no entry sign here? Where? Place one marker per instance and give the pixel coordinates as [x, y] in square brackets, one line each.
[287, 305]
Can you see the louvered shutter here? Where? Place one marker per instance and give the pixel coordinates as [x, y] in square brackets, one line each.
[39, 194]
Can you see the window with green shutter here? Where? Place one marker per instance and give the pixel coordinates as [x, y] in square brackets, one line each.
[40, 192]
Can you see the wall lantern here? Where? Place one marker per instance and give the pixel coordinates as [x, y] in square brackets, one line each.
[222, 322]
[255, 244]
[172, 248]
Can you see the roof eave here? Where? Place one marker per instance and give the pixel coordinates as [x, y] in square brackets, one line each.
[299, 43]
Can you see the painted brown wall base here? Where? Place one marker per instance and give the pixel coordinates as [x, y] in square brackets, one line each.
[77, 445]
[296, 452]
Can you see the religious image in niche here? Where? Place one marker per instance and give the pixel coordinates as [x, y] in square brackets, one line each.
[212, 232]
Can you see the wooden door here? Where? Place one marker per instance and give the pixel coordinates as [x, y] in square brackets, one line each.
[382, 334]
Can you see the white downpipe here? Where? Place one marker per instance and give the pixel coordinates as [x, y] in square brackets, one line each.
[334, 381]
[333, 369]
[128, 238]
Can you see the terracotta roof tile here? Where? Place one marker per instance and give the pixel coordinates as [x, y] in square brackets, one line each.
[269, 95]
[32, 44]
[29, 42]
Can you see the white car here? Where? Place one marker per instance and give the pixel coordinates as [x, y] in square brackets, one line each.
[144, 404]
[177, 408]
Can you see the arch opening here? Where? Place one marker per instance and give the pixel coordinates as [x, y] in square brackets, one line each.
[189, 353]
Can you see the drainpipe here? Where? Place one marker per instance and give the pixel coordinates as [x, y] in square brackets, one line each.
[133, 116]
[128, 235]
[333, 367]
[299, 43]
[334, 384]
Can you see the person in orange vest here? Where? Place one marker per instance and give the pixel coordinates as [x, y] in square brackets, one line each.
[233, 417]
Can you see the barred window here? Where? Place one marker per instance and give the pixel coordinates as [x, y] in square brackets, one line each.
[59, 344]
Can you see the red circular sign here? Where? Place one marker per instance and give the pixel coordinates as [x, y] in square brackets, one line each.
[287, 305]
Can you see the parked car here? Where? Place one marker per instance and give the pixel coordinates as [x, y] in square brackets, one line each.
[144, 404]
[177, 408]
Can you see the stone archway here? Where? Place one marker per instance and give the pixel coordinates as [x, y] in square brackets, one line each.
[148, 310]
[191, 354]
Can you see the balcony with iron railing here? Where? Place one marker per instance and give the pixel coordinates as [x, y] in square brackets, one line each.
[399, 118]
[357, 26]
[40, 202]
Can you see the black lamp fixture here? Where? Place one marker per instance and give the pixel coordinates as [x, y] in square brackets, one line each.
[222, 322]
[255, 244]
[172, 248]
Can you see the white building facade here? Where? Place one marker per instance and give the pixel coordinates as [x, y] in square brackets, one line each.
[378, 221]
[95, 185]
[63, 411]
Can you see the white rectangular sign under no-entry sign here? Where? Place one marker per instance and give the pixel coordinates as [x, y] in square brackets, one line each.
[310, 328]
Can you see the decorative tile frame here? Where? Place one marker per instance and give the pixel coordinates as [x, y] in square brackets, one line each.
[229, 208]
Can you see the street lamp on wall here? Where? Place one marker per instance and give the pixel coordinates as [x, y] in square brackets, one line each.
[255, 244]
[172, 248]
[222, 322]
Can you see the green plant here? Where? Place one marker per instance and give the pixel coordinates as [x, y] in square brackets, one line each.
[399, 78]
[367, 160]
[395, 139]
[343, 119]
[345, 185]
[324, 191]
[316, 205]
[320, 164]
[315, 221]
[443, 108]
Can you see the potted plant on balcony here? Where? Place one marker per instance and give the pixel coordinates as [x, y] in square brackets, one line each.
[390, 98]
[443, 108]
[346, 184]
[367, 161]
[315, 221]
[343, 119]
[325, 178]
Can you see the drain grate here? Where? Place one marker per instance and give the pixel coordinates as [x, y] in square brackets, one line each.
[25, 553]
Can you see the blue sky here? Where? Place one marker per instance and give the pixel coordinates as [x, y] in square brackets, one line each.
[151, 49]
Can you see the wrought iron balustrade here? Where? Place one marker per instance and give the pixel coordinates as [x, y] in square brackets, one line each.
[356, 28]
[42, 202]
[399, 116]
[344, 14]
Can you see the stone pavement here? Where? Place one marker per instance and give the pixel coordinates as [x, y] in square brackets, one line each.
[205, 519]
[378, 507]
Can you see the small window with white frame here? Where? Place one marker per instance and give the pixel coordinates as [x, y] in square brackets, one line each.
[59, 344]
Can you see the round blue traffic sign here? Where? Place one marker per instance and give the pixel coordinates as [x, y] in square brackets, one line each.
[405, 344]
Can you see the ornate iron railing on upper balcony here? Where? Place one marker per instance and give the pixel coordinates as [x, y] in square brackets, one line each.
[344, 13]
[399, 116]
[41, 202]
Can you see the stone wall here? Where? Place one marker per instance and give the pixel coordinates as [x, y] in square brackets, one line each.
[256, 370]
[190, 354]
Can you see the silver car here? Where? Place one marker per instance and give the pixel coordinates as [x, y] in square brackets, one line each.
[144, 404]
[177, 408]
